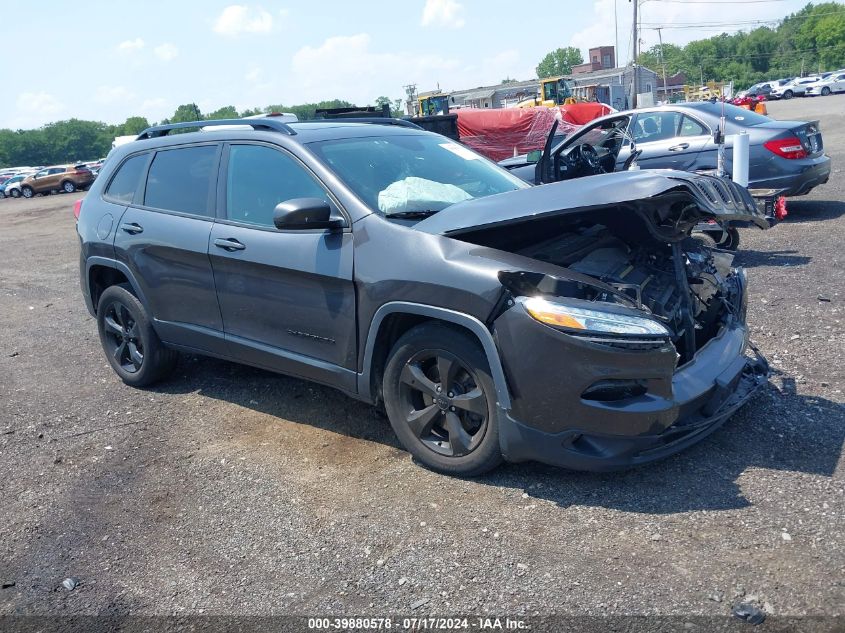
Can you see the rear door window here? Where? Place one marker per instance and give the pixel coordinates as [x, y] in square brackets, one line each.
[180, 180]
[261, 177]
[691, 127]
[126, 181]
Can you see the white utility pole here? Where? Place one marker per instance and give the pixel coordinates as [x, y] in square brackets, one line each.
[634, 83]
[616, 36]
[662, 63]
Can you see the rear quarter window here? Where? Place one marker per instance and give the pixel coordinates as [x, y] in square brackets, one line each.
[127, 179]
[180, 180]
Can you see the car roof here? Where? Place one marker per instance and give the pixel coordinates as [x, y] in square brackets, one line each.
[304, 132]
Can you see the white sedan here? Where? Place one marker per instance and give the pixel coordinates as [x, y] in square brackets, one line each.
[795, 88]
[834, 83]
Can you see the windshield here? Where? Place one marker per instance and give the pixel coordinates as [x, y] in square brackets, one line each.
[415, 174]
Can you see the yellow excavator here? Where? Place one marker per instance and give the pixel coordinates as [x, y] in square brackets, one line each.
[554, 91]
[432, 105]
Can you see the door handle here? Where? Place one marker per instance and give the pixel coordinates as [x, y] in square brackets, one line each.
[679, 148]
[132, 228]
[230, 244]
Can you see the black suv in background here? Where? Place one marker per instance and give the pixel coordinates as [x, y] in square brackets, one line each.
[574, 323]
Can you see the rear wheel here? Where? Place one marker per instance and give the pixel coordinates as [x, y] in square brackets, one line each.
[68, 186]
[825, 91]
[129, 341]
[440, 400]
[27, 192]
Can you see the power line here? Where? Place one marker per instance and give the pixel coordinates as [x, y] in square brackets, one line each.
[772, 54]
[651, 25]
[713, 1]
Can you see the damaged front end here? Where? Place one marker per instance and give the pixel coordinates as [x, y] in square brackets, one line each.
[625, 340]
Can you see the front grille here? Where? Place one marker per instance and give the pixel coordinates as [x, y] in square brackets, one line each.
[626, 343]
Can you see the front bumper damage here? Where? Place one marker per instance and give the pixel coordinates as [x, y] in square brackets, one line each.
[679, 408]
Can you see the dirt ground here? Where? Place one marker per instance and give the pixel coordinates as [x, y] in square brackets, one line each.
[229, 490]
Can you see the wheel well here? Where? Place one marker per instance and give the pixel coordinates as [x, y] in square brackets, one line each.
[391, 330]
[100, 278]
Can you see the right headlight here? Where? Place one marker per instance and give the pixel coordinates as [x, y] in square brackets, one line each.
[590, 320]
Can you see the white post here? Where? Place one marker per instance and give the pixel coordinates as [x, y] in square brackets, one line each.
[740, 159]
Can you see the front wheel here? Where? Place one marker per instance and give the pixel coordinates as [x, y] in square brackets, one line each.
[15, 193]
[132, 346]
[825, 91]
[27, 192]
[440, 400]
[68, 186]
[730, 240]
[788, 94]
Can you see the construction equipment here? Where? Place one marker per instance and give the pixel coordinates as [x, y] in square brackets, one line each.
[554, 91]
[710, 90]
[433, 104]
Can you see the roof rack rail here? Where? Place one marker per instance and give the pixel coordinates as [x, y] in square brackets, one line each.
[256, 124]
[366, 119]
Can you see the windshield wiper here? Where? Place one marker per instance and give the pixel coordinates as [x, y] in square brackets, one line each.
[423, 213]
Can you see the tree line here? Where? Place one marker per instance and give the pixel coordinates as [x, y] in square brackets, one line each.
[808, 41]
[80, 140]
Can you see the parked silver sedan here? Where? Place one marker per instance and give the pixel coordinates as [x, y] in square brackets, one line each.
[786, 157]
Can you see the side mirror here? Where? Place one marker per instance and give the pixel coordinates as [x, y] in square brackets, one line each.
[305, 213]
[534, 156]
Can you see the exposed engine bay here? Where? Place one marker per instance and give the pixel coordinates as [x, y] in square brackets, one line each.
[687, 286]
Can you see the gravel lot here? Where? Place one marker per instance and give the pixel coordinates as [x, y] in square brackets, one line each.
[229, 490]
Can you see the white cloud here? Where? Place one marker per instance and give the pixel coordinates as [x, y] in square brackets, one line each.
[254, 75]
[130, 46]
[155, 108]
[166, 52]
[113, 94]
[39, 103]
[443, 13]
[239, 18]
[345, 67]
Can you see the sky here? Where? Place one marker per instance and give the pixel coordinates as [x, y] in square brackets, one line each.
[108, 60]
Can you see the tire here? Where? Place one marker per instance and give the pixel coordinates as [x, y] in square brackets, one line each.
[15, 193]
[455, 434]
[27, 192]
[706, 239]
[129, 341]
[825, 91]
[730, 242]
[68, 186]
[788, 94]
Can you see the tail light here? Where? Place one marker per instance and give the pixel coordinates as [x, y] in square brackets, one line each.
[780, 208]
[786, 147]
[77, 208]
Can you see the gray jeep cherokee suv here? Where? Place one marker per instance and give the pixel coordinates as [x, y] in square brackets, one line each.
[574, 323]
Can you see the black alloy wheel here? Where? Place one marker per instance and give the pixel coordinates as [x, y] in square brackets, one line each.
[441, 400]
[444, 406]
[130, 343]
[121, 330]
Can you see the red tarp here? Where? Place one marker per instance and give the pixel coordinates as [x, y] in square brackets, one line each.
[495, 133]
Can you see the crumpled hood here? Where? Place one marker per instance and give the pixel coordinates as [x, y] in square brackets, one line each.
[700, 198]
